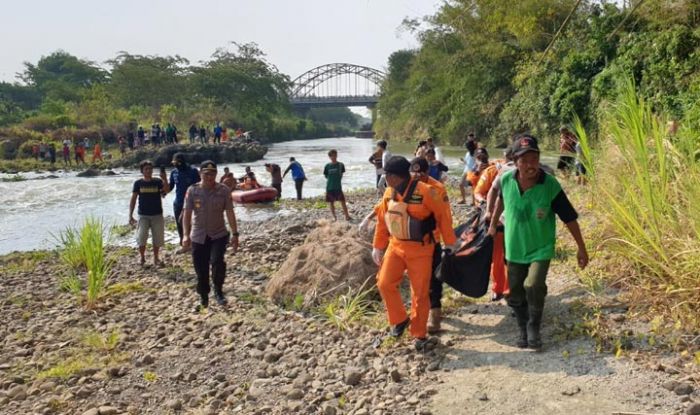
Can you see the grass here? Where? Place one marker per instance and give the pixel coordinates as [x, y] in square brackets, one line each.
[123, 288]
[107, 343]
[24, 261]
[67, 368]
[122, 230]
[84, 251]
[347, 310]
[150, 377]
[647, 206]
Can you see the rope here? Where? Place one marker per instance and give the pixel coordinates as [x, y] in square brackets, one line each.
[559, 32]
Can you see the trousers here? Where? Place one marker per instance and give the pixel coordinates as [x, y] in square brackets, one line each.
[210, 253]
[528, 284]
[417, 260]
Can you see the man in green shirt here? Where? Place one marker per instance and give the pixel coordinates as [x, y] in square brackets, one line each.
[334, 188]
[531, 198]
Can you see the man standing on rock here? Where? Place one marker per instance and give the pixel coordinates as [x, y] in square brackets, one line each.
[531, 198]
[205, 230]
[181, 179]
[407, 216]
[297, 174]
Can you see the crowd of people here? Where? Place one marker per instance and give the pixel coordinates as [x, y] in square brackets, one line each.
[518, 197]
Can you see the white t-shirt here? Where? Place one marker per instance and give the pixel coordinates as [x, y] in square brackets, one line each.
[385, 158]
[469, 163]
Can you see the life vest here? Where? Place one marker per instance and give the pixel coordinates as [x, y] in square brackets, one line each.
[401, 225]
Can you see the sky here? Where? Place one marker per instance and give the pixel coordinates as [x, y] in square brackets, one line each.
[296, 35]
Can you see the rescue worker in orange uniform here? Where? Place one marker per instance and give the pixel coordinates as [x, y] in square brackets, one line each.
[420, 171]
[407, 215]
[498, 266]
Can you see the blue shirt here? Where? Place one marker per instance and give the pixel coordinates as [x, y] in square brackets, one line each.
[181, 180]
[297, 171]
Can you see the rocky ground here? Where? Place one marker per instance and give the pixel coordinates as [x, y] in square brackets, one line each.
[144, 349]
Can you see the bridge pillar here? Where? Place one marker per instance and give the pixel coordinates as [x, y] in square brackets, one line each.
[373, 110]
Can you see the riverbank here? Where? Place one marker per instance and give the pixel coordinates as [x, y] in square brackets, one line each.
[143, 350]
[230, 152]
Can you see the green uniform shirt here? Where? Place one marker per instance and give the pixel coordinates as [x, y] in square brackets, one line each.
[334, 174]
[531, 230]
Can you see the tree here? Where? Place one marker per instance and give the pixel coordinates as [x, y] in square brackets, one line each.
[148, 80]
[62, 76]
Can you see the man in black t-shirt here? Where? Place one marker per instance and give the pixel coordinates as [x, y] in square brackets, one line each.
[149, 191]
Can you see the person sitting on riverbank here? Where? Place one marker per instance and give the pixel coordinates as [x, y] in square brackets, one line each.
[298, 175]
[149, 191]
[333, 172]
[530, 199]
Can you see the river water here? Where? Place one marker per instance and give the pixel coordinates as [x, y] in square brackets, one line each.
[32, 211]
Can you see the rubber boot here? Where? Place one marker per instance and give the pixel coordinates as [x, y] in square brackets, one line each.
[219, 295]
[534, 338]
[522, 316]
[434, 320]
[203, 303]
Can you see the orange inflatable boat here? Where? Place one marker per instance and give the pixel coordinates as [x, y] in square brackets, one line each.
[261, 195]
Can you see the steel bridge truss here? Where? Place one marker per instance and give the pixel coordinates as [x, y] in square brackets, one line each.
[328, 85]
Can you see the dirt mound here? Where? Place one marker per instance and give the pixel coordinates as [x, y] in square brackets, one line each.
[334, 257]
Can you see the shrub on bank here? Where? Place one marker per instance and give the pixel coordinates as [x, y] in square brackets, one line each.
[647, 200]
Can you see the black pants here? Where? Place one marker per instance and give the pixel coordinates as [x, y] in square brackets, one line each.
[299, 184]
[379, 177]
[436, 284]
[211, 252]
[177, 210]
[278, 186]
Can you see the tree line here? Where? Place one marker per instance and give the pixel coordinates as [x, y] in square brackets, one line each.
[498, 67]
[236, 86]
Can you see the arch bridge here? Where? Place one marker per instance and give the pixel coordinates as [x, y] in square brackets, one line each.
[337, 85]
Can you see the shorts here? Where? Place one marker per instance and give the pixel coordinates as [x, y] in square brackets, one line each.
[465, 181]
[580, 169]
[565, 162]
[156, 224]
[335, 196]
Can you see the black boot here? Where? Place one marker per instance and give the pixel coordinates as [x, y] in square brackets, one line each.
[219, 295]
[522, 316]
[534, 339]
[203, 302]
[397, 330]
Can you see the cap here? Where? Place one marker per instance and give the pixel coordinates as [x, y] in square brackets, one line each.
[525, 144]
[207, 165]
[179, 157]
[419, 165]
[397, 165]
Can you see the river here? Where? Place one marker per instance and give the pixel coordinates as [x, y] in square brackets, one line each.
[33, 211]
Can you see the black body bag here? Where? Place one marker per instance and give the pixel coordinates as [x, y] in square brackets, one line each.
[468, 270]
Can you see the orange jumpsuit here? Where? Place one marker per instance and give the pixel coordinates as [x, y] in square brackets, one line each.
[498, 267]
[411, 256]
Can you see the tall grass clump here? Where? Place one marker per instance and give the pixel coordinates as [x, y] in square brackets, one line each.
[349, 309]
[647, 198]
[84, 252]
